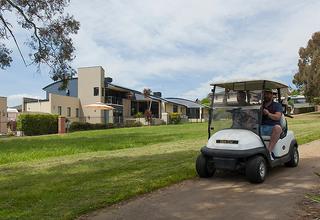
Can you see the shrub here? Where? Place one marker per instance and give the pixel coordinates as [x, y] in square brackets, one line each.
[131, 123]
[83, 126]
[175, 118]
[37, 124]
[139, 115]
[317, 100]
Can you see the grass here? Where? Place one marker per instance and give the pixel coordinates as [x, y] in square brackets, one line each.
[62, 177]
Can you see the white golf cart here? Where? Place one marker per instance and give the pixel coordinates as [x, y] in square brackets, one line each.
[238, 145]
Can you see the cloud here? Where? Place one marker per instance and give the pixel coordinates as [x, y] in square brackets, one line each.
[182, 46]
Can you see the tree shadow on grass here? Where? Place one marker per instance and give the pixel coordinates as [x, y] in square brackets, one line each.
[65, 191]
[27, 150]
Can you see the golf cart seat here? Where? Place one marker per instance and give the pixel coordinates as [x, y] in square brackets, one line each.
[284, 127]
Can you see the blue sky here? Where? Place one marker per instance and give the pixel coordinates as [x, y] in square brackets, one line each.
[178, 47]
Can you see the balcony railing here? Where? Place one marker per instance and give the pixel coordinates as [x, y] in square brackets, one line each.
[114, 100]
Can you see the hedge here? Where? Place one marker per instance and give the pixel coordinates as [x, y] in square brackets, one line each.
[83, 126]
[37, 124]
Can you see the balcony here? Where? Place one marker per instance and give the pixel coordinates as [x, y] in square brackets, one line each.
[113, 100]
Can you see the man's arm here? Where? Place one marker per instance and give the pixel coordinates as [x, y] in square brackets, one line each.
[276, 116]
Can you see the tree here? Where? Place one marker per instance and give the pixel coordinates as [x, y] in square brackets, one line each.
[147, 94]
[148, 113]
[49, 28]
[206, 101]
[307, 79]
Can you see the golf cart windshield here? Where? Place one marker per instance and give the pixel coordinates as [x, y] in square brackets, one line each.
[237, 109]
[237, 104]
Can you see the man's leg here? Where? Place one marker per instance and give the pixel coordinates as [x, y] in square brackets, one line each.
[275, 135]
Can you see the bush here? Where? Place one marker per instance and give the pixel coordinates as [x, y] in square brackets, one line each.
[37, 124]
[131, 123]
[175, 118]
[139, 115]
[316, 100]
[84, 126]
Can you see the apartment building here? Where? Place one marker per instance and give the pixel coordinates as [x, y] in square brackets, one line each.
[92, 86]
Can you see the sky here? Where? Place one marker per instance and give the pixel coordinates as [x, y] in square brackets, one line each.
[177, 47]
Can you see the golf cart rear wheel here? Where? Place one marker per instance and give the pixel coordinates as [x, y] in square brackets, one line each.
[204, 168]
[256, 169]
[294, 158]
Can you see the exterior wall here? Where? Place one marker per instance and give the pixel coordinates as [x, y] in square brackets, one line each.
[65, 102]
[12, 116]
[51, 106]
[3, 115]
[169, 108]
[126, 108]
[41, 106]
[181, 109]
[88, 78]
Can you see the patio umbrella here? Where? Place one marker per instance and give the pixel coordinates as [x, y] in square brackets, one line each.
[99, 106]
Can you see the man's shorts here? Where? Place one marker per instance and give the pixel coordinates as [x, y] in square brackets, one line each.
[266, 130]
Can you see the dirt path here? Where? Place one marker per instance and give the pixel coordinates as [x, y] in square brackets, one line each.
[227, 195]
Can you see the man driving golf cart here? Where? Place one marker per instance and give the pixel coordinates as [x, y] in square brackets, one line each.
[270, 126]
[252, 133]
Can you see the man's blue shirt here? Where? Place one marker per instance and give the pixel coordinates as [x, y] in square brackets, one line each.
[272, 108]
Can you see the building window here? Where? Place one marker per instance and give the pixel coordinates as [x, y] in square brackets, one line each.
[175, 108]
[77, 112]
[69, 112]
[95, 91]
[59, 110]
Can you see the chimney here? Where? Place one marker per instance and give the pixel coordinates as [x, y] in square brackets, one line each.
[157, 94]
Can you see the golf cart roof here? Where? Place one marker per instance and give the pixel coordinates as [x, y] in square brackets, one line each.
[250, 84]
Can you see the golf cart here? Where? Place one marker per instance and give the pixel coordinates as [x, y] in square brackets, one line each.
[238, 144]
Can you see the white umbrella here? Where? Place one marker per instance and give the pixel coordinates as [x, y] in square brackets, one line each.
[99, 106]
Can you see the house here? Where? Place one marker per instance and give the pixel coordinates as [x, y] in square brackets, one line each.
[13, 114]
[193, 111]
[91, 86]
[3, 115]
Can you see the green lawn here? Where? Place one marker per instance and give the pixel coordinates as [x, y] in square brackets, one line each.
[62, 177]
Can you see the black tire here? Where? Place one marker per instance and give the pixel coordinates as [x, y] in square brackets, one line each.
[256, 169]
[204, 168]
[294, 158]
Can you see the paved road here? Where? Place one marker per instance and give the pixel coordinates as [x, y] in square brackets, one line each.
[227, 195]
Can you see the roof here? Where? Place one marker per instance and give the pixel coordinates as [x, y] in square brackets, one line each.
[17, 107]
[140, 97]
[12, 110]
[185, 102]
[75, 78]
[249, 84]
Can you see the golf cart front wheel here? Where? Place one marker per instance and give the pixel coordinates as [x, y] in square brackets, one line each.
[256, 169]
[294, 158]
[204, 168]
